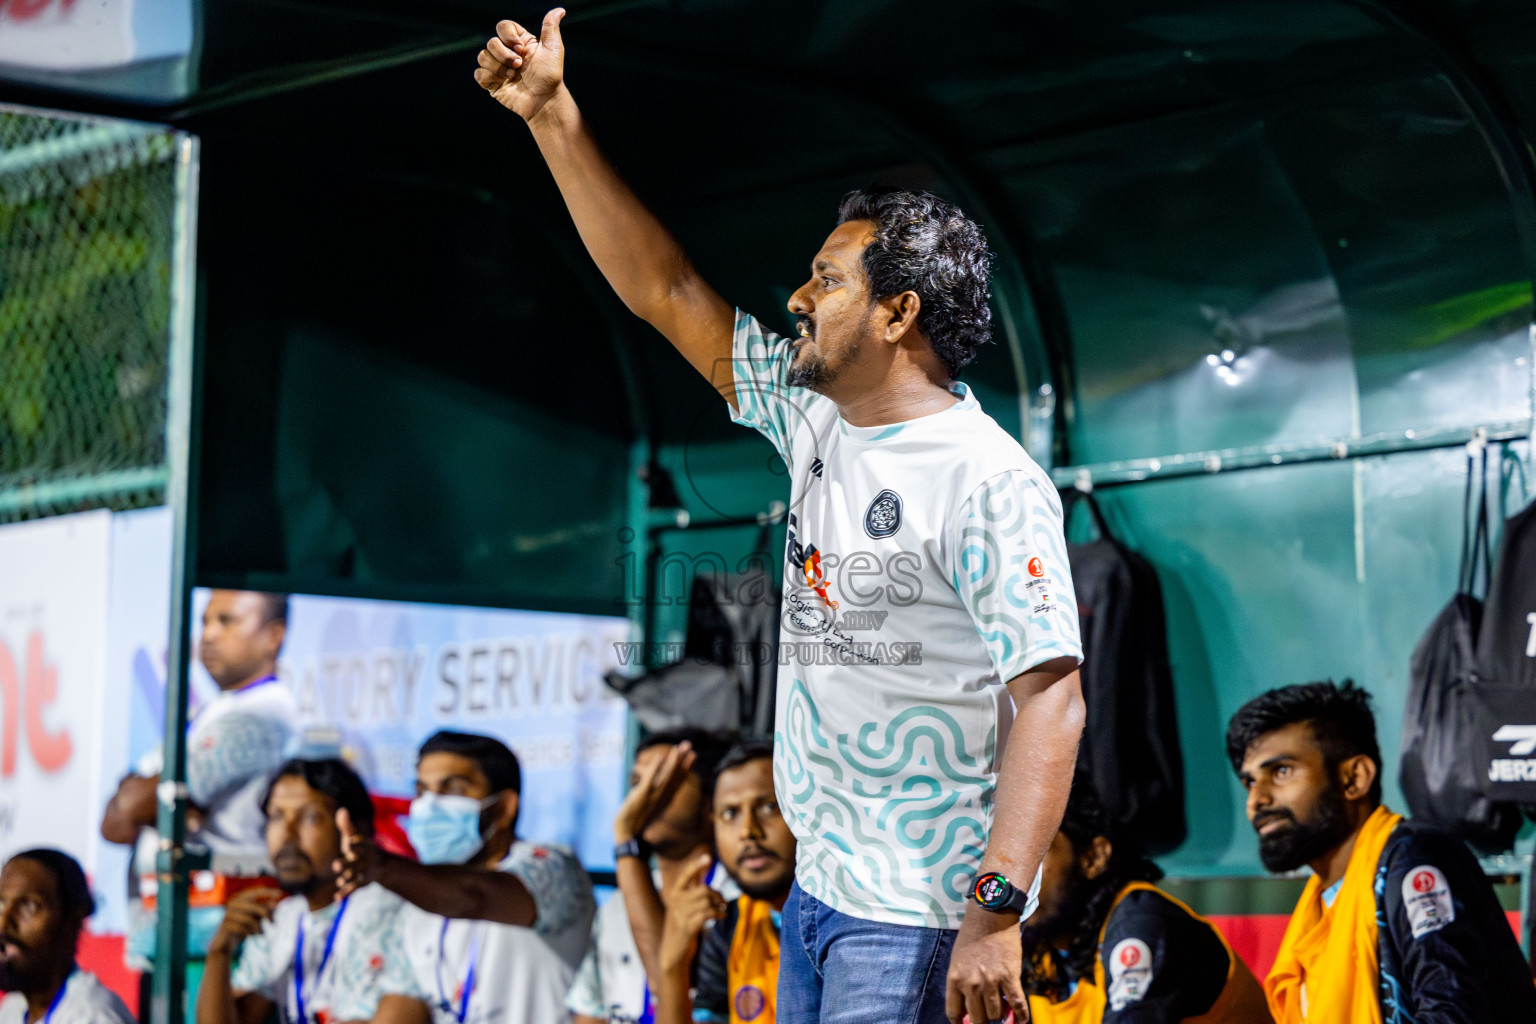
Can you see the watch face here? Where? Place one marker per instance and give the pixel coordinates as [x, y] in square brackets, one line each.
[992, 890]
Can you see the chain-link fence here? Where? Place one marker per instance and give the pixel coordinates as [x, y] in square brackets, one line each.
[87, 231]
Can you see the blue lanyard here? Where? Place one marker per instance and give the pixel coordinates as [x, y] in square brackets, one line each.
[469, 977]
[58, 997]
[325, 958]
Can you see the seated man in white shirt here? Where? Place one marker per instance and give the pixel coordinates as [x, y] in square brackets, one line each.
[495, 925]
[44, 901]
[320, 959]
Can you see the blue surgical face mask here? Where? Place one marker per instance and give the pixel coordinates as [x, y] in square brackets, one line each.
[446, 829]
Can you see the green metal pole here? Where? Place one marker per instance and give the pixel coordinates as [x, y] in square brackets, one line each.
[172, 862]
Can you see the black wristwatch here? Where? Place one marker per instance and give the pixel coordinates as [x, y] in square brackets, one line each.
[995, 893]
[630, 848]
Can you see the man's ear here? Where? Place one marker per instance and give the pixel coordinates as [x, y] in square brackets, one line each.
[505, 811]
[1357, 775]
[1095, 860]
[278, 631]
[901, 314]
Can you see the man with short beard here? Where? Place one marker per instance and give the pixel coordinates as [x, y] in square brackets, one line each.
[320, 960]
[1398, 924]
[900, 713]
[44, 901]
[733, 966]
[1108, 946]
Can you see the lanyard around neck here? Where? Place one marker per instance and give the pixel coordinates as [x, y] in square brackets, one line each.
[462, 1013]
[58, 997]
[325, 958]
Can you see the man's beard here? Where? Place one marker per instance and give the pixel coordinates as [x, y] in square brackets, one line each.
[813, 371]
[297, 886]
[1303, 842]
[1042, 931]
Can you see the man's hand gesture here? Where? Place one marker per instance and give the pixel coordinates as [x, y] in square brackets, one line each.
[523, 71]
[690, 902]
[244, 915]
[361, 861]
[652, 791]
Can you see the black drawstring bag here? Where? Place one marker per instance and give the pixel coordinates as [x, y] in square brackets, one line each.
[1130, 745]
[1439, 772]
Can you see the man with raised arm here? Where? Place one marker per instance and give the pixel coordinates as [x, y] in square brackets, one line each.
[920, 833]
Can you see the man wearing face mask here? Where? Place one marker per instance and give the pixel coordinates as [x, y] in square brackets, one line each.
[472, 866]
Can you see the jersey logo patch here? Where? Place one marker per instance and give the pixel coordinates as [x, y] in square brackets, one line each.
[750, 1002]
[1427, 898]
[883, 517]
[1130, 972]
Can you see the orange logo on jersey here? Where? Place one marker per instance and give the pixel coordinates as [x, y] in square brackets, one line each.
[815, 578]
[1036, 568]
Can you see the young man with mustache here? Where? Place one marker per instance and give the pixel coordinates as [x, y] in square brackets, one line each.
[316, 959]
[1398, 923]
[892, 463]
[729, 973]
[44, 902]
[1108, 946]
[666, 814]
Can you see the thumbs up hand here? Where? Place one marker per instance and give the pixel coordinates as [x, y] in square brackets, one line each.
[360, 863]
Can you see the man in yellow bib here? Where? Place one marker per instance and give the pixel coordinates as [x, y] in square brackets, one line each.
[1108, 946]
[1398, 924]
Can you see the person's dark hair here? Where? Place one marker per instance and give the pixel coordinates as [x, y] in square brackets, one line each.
[75, 897]
[276, 607]
[1339, 715]
[1085, 820]
[495, 759]
[336, 779]
[709, 747]
[924, 244]
[750, 748]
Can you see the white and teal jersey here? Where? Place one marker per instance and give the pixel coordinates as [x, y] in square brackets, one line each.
[926, 567]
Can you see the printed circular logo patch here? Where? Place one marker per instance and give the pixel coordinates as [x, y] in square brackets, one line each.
[883, 517]
[1036, 568]
[1427, 898]
[1423, 882]
[750, 1002]
[1130, 972]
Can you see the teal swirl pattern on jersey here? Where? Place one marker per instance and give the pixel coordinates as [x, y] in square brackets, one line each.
[1008, 522]
[759, 361]
[901, 795]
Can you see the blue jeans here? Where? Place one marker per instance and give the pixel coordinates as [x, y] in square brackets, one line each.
[836, 969]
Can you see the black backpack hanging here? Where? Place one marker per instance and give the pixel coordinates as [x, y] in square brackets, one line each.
[1505, 689]
[1441, 778]
[726, 678]
[1130, 746]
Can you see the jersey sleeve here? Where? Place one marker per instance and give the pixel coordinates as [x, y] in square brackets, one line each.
[559, 885]
[759, 360]
[1430, 897]
[585, 998]
[1009, 566]
[1161, 964]
[230, 752]
[261, 967]
[711, 982]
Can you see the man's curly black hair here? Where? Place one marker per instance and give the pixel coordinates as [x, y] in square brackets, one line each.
[924, 244]
[1340, 716]
[1085, 819]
